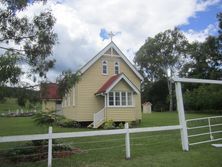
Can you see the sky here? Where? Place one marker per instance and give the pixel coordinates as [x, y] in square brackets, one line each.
[83, 25]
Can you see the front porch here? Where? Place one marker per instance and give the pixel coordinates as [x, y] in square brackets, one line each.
[121, 99]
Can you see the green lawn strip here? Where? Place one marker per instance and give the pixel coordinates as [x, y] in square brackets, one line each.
[10, 104]
[147, 149]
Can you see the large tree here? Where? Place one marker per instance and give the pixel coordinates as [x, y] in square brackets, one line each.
[205, 60]
[205, 57]
[24, 42]
[161, 56]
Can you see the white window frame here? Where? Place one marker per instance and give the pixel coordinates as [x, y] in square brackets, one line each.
[125, 98]
[105, 63]
[114, 99]
[116, 64]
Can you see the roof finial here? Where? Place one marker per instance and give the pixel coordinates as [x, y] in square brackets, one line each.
[111, 35]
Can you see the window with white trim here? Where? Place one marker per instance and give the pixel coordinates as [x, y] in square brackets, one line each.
[117, 98]
[120, 99]
[111, 99]
[123, 98]
[116, 67]
[129, 98]
[104, 67]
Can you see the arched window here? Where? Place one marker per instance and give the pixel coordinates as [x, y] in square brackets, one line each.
[116, 67]
[104, 68]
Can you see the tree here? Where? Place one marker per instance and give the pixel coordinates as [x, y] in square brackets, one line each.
[205, 57]
[205, 60]
[156, 93]
[66, 81]
[24, 42]
[161, 56]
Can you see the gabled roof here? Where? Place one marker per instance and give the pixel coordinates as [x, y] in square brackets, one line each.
[102, 52]
[112, 81]
[49, 91]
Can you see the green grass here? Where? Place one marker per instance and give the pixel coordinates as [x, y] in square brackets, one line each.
[156, 149]
[10, 104]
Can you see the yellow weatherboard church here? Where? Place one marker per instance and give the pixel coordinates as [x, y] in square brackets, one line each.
[109, 89]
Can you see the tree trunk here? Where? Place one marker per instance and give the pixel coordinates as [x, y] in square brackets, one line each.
[170, 94]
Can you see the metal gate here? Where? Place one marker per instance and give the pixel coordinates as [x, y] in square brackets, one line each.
[204, 130]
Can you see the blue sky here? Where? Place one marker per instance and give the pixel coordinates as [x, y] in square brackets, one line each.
[203, 18]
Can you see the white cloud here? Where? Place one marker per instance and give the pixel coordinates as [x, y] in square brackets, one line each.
[202, 34]
[79, 23]
[203, 4]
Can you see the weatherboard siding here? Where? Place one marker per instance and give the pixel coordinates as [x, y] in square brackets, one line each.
[87, 103]
[70, 111]
[48, 105]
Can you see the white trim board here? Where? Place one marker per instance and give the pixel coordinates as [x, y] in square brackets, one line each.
[217, 145]
[194, 80]
[102, 52]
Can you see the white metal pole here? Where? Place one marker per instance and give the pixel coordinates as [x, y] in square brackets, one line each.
[127, 141]
[181, 115]
[50, 147]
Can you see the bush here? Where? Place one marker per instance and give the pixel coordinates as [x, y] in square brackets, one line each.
[51, 118]
[109, 124]
[204, 98]
[69, 123]
[36, 151]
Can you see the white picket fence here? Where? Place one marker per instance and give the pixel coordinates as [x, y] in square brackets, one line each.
[50, 136]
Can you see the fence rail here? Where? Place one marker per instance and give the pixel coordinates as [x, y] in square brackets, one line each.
[209, 126]
[126, 131]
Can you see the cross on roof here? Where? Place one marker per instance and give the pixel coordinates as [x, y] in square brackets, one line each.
[111, 35]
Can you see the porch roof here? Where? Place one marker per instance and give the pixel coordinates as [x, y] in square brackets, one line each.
[112, 81]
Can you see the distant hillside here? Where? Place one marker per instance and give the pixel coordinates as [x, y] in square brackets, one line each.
[15, 98]
[11, 104]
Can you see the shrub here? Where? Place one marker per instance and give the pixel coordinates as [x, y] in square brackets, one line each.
[36, 151]
[49, 118]
[121, 125]
[69, 123]
[204, 98]
[109, 124]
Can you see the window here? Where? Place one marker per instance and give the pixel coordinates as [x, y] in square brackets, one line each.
[116, 67]
[117, 98]
[123, 96]
[120, 99]
[111, 99]
[104, 68]
[129, 98]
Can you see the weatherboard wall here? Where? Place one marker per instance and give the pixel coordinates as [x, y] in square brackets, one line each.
[87, 103]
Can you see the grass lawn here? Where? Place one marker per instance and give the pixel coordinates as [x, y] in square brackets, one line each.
[156, 149]
[12, 105]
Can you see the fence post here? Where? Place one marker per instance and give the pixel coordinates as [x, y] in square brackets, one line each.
[210, 130]
[127, 141]
[50, 147]
[181, 114]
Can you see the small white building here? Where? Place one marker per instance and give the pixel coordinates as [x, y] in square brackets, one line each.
[147, 107]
